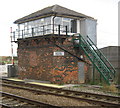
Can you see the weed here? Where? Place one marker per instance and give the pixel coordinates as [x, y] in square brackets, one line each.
[110, 88]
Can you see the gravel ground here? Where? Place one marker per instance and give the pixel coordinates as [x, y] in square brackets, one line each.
[91, 89]
[54, 100]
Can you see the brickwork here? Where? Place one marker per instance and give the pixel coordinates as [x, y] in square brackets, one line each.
[36, 61]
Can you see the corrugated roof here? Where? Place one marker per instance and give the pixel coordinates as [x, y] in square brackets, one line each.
[51, 10]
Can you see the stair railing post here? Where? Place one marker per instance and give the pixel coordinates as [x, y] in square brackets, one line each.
[108, 75]
[79, 40]
[100, 78]
[93, 79]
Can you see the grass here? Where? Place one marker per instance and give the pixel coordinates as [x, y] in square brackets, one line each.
[110, 88]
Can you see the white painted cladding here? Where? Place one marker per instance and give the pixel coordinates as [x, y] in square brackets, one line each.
[78, 26]
[83, 26]
[88, 28]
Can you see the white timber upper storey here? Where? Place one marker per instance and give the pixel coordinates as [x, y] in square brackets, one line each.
[53, 20]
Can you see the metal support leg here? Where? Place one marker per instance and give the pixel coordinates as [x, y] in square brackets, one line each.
[93, 80]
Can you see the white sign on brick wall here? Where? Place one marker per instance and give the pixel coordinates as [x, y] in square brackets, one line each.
[58, 53]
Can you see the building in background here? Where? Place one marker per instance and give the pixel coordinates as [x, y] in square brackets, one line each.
[112, 54]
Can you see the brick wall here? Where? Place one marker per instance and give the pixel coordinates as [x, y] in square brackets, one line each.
[36, 60]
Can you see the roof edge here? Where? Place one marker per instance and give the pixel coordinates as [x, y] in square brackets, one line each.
[51, 10]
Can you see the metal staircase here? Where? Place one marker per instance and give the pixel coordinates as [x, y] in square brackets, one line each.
[97, 58]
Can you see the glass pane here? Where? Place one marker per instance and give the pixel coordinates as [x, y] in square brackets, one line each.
[66, 19]
[47, 20]
[21, 26]
[58, 20]
[65, 23]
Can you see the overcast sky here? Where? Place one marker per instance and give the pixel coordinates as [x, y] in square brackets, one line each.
[105, 11]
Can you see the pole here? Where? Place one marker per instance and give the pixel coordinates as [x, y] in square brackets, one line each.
[93, 74]
[12, 61]
[32, 32]
[66, 30]
[58, 30]
[43, 30]
[93, 71]
[53, 22]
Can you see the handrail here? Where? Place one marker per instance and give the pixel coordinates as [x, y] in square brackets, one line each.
[40, 30]
[101, 54]
[100, 57]
[105, 77]
[96, 57]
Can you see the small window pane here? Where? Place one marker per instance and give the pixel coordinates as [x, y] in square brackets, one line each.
[58, 20]
[66, 19]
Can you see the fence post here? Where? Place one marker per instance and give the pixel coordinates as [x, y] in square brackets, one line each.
[66, 30]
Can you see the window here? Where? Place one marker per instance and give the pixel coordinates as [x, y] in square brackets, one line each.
[58, 20]
[47, 23]
[63, 22]
[74, 26]
[67, 22]
[66, 19]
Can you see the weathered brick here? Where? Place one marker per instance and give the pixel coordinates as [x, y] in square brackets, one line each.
[36, 61]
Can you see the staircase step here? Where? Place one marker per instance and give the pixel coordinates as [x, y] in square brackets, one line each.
[96, 57]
